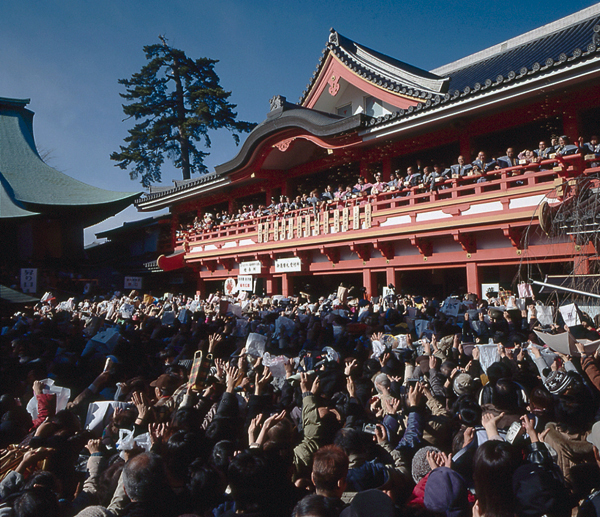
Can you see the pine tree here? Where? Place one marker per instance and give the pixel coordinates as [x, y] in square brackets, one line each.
[177, 100]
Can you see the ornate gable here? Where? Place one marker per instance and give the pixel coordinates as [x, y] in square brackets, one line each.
[353, 79]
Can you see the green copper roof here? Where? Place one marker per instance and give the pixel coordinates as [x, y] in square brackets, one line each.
[29, 182]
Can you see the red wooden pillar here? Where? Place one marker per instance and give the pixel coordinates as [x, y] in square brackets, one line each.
[369, 282]
[231, 206]
[287, 285]
[270, 286]
[200, 286]
[390, 278]
[581, 265]
[473, 279]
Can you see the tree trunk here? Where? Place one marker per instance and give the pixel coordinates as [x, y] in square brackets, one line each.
[184, 143]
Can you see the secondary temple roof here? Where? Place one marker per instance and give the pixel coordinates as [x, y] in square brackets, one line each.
[29, 186]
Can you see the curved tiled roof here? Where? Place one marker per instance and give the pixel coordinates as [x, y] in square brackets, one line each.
[29, 183]
[559, 49]
[382, 70]
[557, 46]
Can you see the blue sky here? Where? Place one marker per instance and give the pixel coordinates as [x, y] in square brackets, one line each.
[66, 56]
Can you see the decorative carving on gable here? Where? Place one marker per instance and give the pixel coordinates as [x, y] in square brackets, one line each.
[284, 144]
[333, 37]
[334, 85]
[277, 102]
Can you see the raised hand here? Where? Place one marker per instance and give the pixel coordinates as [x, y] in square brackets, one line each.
[468, 436]
[415, 394]
[350, 387]
[94, 446]
[213, 341]
[234, 375]
[490, 423]
[253, 428]
[391, 405]
[262, 381]
[141, 403]
[529, 426]
[158, 432]
[220, 365]
[349, 367]
[380, 433]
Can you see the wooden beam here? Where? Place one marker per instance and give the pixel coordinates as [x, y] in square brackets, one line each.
[466, 240]
[423, 245]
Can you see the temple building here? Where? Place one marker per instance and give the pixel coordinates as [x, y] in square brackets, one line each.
[365, 114]
[42, 211]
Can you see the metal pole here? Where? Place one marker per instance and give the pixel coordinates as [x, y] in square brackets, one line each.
[568, 289]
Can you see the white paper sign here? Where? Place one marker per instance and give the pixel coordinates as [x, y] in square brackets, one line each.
[244, 282]
[451, 307]
[570, 314]
[29, 280]
[565, 343]
[421, 326]
[287, 265]
[250, 268]
[133, 282]
[544, 314]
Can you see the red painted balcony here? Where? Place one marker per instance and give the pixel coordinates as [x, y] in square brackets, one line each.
[507, 199]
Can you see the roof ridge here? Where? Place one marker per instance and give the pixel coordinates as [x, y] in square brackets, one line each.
[517, 41]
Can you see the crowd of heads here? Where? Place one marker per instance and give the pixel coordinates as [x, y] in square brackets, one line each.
[247, 405]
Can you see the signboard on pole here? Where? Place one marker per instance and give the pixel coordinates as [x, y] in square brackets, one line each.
[244, 282]
[288, 265]
[250, 268]
[133, 282]
[29, 280]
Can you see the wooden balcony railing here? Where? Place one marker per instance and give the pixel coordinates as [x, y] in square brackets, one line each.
[359, 212]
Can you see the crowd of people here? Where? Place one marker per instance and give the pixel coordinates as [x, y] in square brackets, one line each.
[415, 179]
[132, 405]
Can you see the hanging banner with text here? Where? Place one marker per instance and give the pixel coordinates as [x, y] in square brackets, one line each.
[133, 282]
[244, 282]
[288, 265]
[250, 268]
[29, 280]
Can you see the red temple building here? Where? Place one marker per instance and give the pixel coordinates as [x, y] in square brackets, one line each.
[364, 113]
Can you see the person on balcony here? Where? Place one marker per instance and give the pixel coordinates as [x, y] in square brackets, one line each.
[339, 193]
[482, 163]
[328, 195]
[542, 151]
[565, 147]
[510, 160]
[591, 147]
[393, 183]
[413, 178]
[361, 185]
[461, 168]
[378, 185]
[437, 177]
